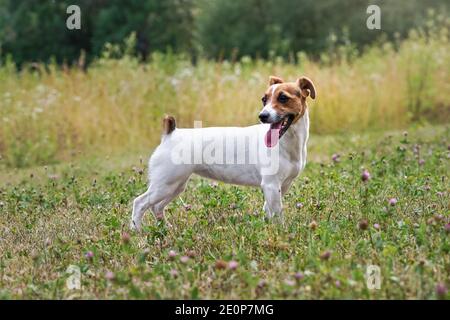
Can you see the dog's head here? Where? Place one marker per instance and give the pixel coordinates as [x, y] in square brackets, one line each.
[284, 103]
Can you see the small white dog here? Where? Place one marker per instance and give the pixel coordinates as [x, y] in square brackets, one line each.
[284, 108]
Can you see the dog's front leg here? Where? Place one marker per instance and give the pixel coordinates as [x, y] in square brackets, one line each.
[272, 193]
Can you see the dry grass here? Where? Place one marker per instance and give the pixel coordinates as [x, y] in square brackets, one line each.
[48, 114]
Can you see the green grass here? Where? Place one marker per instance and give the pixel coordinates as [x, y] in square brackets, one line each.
[50, 217]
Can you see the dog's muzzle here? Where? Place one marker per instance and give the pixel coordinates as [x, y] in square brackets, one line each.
[277, 128]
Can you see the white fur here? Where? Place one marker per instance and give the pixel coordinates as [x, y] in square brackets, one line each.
[168, 180]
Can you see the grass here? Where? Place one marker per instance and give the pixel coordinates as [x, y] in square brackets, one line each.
[335, 226]
[72, 161]
[50, 115]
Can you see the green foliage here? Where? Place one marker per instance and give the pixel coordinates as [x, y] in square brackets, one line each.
[221, 29]
[282, 27]
[159, 25]
[36, 30]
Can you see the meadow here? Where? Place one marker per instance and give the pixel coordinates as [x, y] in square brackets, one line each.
[220, 246]
[375, 191]
[50, 114]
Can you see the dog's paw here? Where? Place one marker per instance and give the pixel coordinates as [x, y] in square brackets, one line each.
[135, 226]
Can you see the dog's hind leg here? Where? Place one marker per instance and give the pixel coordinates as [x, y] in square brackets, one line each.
[141, 204]
[155, 198]
[158, 209]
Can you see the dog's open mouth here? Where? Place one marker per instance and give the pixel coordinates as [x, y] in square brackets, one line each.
[277, 130]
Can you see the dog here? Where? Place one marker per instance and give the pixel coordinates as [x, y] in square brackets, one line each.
[284, 126]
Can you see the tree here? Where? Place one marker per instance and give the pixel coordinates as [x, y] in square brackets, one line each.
[159, 25]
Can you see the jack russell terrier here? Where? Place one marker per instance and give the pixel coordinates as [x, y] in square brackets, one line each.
[284, 128]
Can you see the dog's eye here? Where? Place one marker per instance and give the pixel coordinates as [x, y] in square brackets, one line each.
[264, 100]
[283, 98]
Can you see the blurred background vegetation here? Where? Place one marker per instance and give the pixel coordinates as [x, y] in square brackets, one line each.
[34, 30]
[105, 88]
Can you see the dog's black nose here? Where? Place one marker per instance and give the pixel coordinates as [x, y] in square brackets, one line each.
[264, 116]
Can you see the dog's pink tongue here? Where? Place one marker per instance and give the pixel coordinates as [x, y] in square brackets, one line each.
[272, 135]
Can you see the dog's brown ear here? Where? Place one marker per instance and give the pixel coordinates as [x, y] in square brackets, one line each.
[274, 80]
[307, 87]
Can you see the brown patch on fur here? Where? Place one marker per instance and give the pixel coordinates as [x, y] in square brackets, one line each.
[274, 80]
[169, 124]
[297, 92]
[307, 87]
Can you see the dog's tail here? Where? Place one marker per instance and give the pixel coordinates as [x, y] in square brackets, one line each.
[169, 125]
